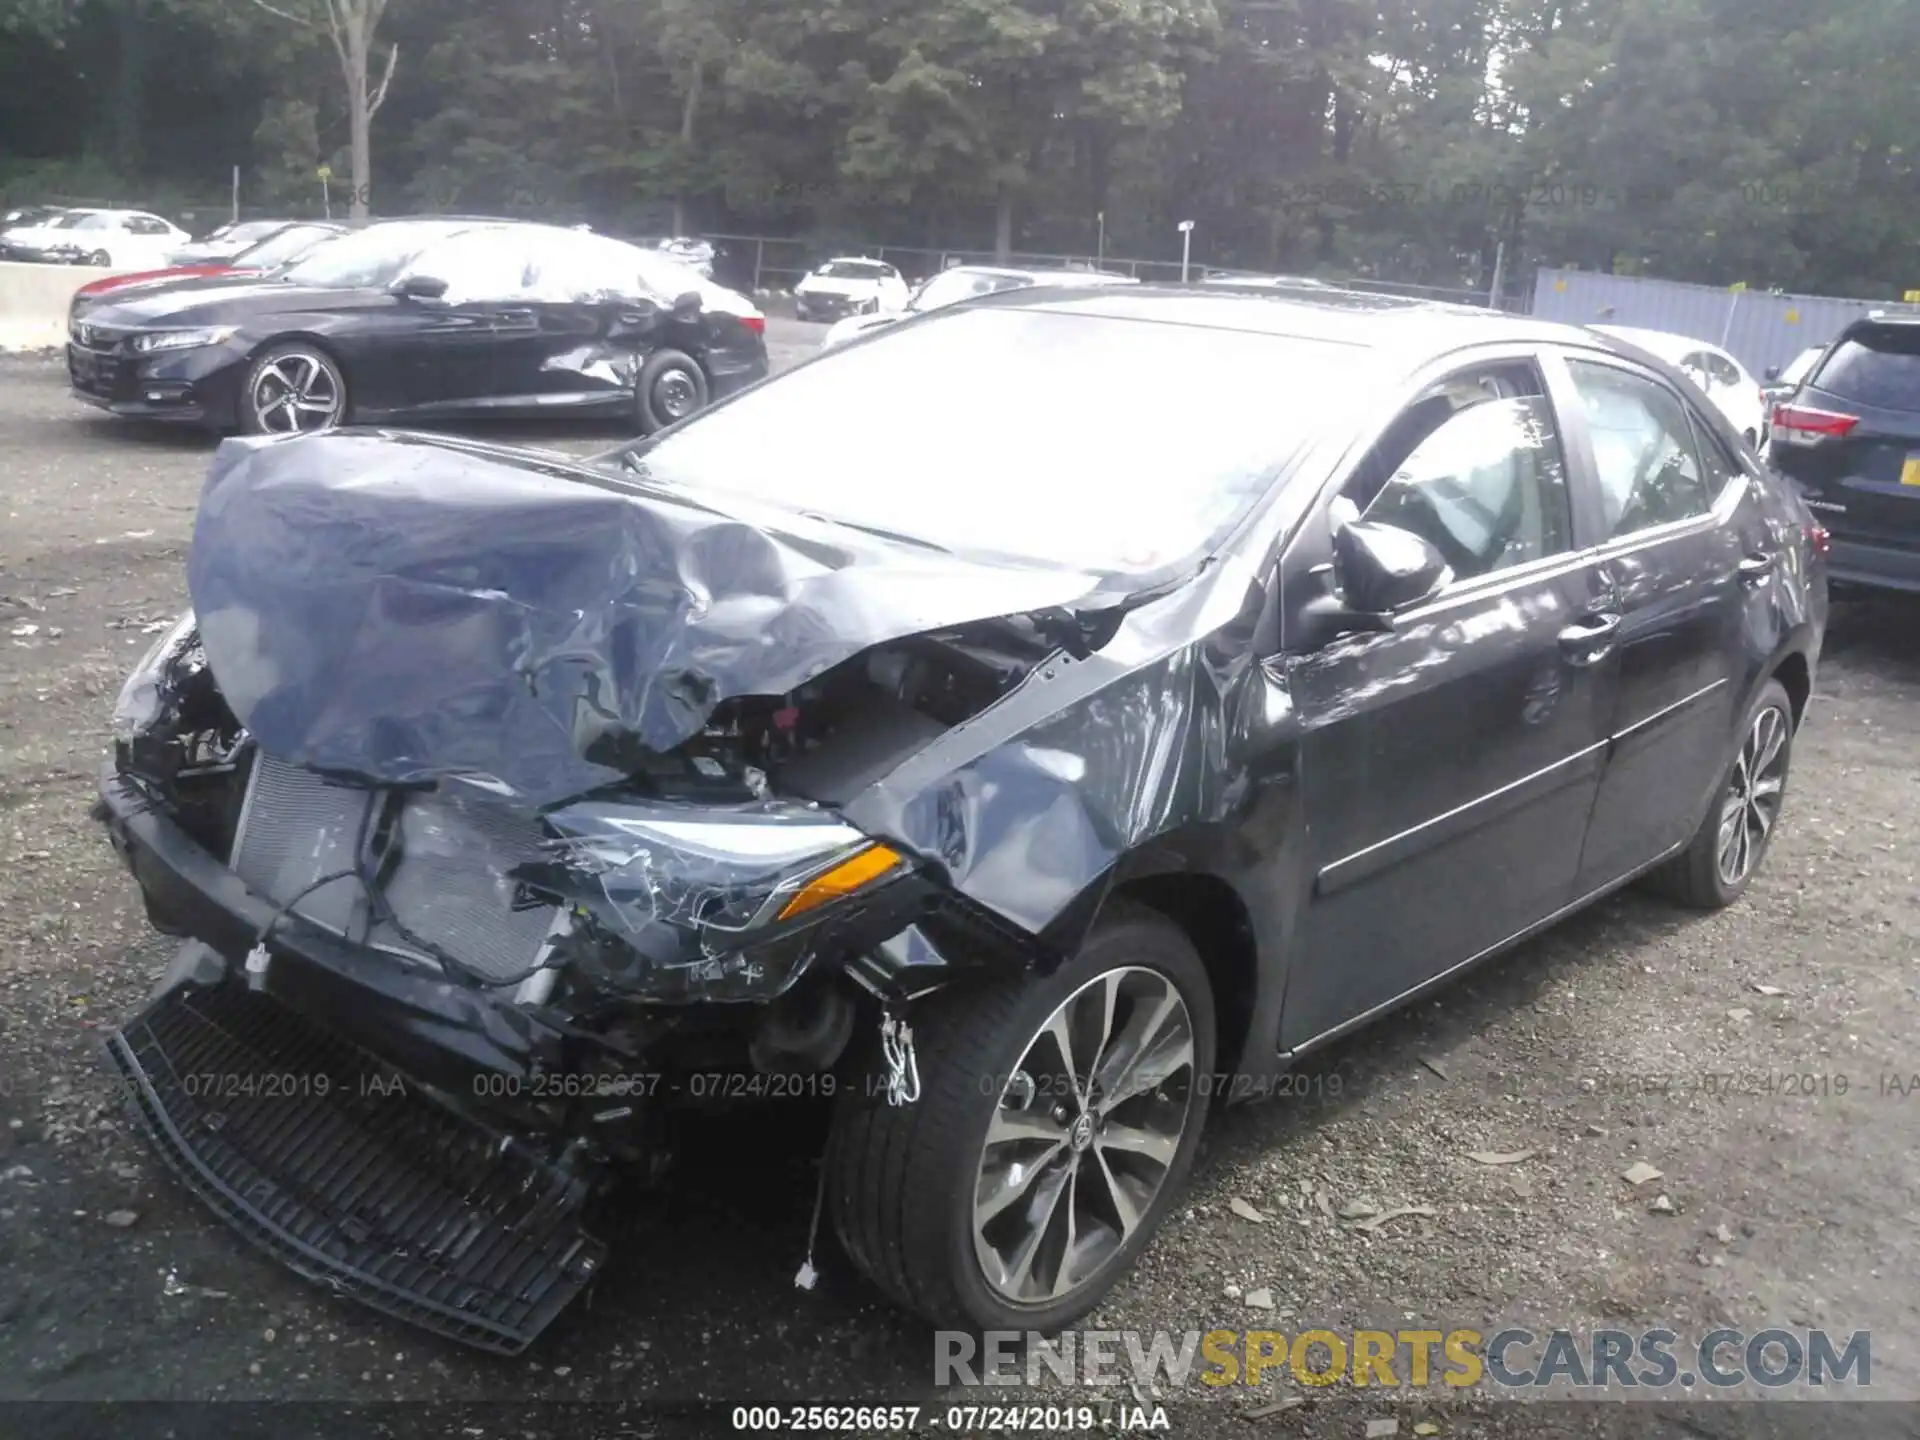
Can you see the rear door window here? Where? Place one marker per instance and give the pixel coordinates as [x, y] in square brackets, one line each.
[1716, 464]
[1798, 367]
[1876, 366]
[1721, 369]
[1643, 450]
[478, 266]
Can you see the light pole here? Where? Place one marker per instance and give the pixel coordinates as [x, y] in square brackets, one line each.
[1186, 248]
[1100, 256]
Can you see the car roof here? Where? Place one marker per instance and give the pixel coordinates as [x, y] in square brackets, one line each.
[857, 260]
[1231, 277]
[1423, 328]
[1660, 342]
[1063, 273]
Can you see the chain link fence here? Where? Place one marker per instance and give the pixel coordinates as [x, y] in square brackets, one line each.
[759, 264]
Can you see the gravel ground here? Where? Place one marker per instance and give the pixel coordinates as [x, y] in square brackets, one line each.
[1633, 1033]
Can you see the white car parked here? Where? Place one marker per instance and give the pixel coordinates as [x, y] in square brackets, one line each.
[850, 285]
[120, 239]
[963, 282]
[1734, 392]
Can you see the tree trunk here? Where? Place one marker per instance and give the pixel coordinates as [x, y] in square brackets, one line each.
[359, 124]
[689, 111]
[129, 91]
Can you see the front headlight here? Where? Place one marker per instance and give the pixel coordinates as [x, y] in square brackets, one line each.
[143, 697]
[153, 340]
[722, 873]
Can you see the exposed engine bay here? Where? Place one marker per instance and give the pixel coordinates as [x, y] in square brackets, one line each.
[834, 736]
[823, 743]
[506, 902]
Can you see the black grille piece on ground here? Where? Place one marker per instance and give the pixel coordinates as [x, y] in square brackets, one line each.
[328, 1160]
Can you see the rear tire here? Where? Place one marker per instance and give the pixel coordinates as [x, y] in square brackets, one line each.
[1726, 852]
[100, 260]
[926, 1198]
[671, 387]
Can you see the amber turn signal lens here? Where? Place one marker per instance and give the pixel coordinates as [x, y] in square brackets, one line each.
[843, 879]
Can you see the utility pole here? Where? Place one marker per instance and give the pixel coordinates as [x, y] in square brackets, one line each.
[1186, 248]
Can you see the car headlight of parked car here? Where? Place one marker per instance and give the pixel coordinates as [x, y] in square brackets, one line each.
[154, 340]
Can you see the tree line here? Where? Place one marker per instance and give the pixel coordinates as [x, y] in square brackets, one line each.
[1767, 142]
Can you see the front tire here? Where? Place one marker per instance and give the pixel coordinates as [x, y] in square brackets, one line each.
[100, 260]
[1728, 848]
[671, 387]
[1057, 1120]
[293, 388]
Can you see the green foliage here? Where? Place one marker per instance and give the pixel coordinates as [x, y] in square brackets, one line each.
[1764, 141]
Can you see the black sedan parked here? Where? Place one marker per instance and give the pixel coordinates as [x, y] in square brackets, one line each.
[1009, 784]
[425, 320]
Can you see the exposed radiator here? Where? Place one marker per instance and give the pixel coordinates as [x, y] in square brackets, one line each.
[450, 887]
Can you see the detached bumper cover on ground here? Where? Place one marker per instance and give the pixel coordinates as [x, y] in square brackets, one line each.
[316, 1153]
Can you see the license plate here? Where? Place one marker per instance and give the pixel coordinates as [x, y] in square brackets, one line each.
[1910, 472]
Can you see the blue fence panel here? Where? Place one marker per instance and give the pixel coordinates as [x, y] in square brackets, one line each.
[1759, 328]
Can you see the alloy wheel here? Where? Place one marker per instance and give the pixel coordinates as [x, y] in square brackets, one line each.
[1083, 1136]
[1754, 793]
[295, 393]
[674, 395]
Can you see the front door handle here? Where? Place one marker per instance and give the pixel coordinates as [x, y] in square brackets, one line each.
[1590, 639]
[1757, 567]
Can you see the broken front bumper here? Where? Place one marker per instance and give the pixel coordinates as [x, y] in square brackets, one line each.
[394, 1134]
[327, 1157]
[447, 1035]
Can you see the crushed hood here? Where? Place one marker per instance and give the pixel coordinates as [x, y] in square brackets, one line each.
[405, 608]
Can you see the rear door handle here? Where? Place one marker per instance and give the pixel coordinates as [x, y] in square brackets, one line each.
[1757, 567]
[1590, 639]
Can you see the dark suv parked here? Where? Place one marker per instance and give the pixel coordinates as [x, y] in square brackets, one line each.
[1850, 438]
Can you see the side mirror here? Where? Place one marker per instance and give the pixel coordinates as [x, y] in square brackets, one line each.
[1376, 570]
[687, 306]
[1382, 568]
[421, 287]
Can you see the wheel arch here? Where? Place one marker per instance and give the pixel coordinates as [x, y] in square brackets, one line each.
[303, 337]
[1795, 675]
[1210, 912]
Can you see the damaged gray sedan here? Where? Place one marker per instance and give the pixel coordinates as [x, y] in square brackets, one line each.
[939, 729]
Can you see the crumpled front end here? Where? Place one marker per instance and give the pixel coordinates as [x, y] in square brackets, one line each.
[495, 872]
